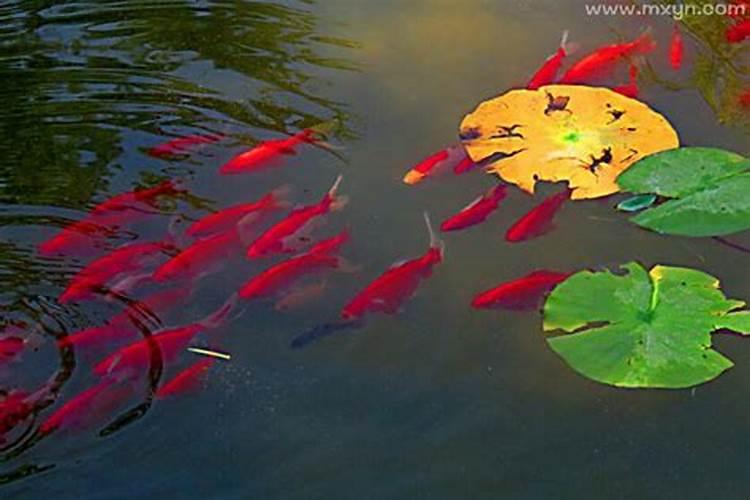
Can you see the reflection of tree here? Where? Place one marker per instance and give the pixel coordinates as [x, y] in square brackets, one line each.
[76, 78]
[720, 70]
[80, 84]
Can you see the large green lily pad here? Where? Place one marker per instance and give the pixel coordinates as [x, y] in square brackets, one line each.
[642, 329]
[708, 190]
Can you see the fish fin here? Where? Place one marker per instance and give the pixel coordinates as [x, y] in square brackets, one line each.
[567, 46]
[336, 184]
[346, 266]
[435, 241]
[277, 199]
[339, 203]
[218, 317]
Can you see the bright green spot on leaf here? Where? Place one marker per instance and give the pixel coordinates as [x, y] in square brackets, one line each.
[642, 329]
[636, 203]
[709, 189]
[572, 137]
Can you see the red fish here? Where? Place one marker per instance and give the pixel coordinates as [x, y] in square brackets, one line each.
[133, 359]
[285, 236]
[631, 89]
[538, 220]
[139, 199]
[738, 31]
[87, 406]
[520, 294]
[228, 217]
[422, 169]
[186, 381]
[477, 211]
[745, 99]
[95, 276]
[266, 153]
[180, 145]
[285, 273]
[81, 236]
[548, 72]
[676, 49]
[10, 348]
[15, 408]
[391, 289]
[199, 257]
[122, 325]
[451, 157]
[603, 60]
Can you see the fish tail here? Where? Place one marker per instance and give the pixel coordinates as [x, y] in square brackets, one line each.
[217, 318]
[645, 43]
[435, 241]
[566, 46]
[336, 184]
[277, 199]
[337, 202]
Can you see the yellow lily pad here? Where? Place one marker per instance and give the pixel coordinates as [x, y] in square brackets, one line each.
[584, 135]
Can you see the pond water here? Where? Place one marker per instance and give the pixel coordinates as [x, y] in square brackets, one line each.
[440, 401]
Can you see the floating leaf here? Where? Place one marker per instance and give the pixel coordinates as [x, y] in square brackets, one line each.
[642, 329]
[708, 187]
[637, 203]
[584, 135]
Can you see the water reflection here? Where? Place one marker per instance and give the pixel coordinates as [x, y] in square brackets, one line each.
[85, 89]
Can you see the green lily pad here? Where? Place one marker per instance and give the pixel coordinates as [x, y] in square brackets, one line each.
[642, 329]
[708, 189]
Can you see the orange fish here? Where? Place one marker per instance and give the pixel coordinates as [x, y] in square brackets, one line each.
[228, 217]
[139, 199]
[548, 72]
[266, 153]
[94, 277]
[745, 99]
[133, 359]
[477, 211]
[451, 157]
[286, 235]
[88, 406]
[739, 31]
[83, 236]
[631, 89]
[520, 294]
[16, 407]
[187, 380]
[181, 145]
[122, 325]
[538, 220]
[676, 49]
[199, 257]
[602, 61]
[285, 273]
[391, 289]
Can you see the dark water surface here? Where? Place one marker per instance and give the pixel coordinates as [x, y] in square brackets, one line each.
[440, 401]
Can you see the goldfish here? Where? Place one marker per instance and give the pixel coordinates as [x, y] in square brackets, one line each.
[226, 218]
[82, 236]
[631, 89]
[738, 31]
[16, 407]
[199, 257]
[287, 272]
[122, 325]
[95, 275]
[676, 49]
[744, 99]
[301, 296]
[601, 61]
[185, 381]
[87, 406]
[451, 157]
[180, 145]
[548, 72]
[286, 235]
[538, 220]
[10, 348]
[477, 211]
[266, 153]
[520, 294]
[132, 359]
[388, 291]
[139, 199]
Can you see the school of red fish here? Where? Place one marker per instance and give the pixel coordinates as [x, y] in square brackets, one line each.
[262, 229]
